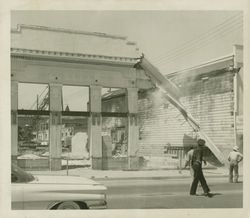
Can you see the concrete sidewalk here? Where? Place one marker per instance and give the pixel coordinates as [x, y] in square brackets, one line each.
[140, 174]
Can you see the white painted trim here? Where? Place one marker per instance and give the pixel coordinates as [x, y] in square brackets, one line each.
[63, 30]
[73, 56]
[211, 65]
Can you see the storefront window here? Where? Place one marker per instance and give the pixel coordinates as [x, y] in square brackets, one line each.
[75, 136]
[114, 123]
[33, 96]
[115, 136]
[113, 100]
[75, 142]
[33, 136]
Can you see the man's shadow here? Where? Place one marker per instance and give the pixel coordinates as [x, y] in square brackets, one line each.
[210, 195]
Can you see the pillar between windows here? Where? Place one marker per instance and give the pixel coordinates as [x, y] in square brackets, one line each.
[95, 127]
[133, 128]
[14, 121]
[55, 122]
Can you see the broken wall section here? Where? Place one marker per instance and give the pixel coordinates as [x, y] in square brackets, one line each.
[208, 97]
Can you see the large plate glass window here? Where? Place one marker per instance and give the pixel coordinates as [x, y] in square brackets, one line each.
[33, 126]
[75, 98]
[74, 128]
[114, 123]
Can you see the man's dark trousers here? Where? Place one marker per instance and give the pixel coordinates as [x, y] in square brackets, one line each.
[233, 168]
[198, 177]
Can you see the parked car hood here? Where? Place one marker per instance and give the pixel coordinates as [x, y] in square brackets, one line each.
[47, 179]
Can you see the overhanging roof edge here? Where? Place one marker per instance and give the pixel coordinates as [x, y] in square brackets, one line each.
[206, 66]
[57, 55]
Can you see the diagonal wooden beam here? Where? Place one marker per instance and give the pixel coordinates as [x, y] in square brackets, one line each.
[172, 93]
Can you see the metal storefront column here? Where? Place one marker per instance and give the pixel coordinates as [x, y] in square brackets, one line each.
[95, 127]
[133, 129]
[14, 120]
[55, 120]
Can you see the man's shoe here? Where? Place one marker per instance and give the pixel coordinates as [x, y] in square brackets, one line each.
[192, 194]
[209, 195]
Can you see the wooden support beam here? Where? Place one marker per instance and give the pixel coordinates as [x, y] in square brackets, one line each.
[238, 93]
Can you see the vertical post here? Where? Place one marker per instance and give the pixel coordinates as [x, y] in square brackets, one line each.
[235, 105]
[133, 127]
[238, 95]
[14, 120]
[180, 156]
[67, 165]
[55, 100]
[95, 127]
[37, 102]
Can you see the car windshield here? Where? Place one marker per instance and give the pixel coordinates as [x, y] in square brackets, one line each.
[18, 175]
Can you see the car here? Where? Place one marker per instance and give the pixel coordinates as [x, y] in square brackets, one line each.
[48, 192]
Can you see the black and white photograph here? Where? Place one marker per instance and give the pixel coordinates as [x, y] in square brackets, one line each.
[132, 110]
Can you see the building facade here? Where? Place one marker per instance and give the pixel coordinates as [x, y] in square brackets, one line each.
[212, 92]
[58, 57]
[135, 119]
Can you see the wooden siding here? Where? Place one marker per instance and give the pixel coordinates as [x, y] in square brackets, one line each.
[209, 100]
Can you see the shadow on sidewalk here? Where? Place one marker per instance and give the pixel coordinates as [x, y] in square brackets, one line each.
[211, 195]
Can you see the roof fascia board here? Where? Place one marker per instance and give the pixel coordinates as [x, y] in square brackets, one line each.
[213, 65]
[79, 58]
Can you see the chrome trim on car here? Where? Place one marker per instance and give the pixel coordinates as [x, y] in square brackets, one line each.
[97, 204]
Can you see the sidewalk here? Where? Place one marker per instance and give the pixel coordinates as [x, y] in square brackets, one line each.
[140, 174]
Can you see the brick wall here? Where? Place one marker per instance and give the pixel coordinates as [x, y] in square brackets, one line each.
[208, 97]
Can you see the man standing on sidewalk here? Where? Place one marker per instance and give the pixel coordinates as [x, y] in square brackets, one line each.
[197, 167]
[234, 158]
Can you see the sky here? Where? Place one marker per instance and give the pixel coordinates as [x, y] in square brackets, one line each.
[171, 40]
[75, 97]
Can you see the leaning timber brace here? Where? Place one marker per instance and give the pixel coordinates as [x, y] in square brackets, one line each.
[172, 94]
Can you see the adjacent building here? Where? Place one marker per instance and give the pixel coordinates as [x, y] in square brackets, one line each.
[212, 92]
[59, 57]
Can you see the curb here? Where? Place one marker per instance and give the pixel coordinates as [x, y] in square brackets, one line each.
[150, 177]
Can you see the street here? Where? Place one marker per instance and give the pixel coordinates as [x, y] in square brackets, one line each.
[171, 193]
